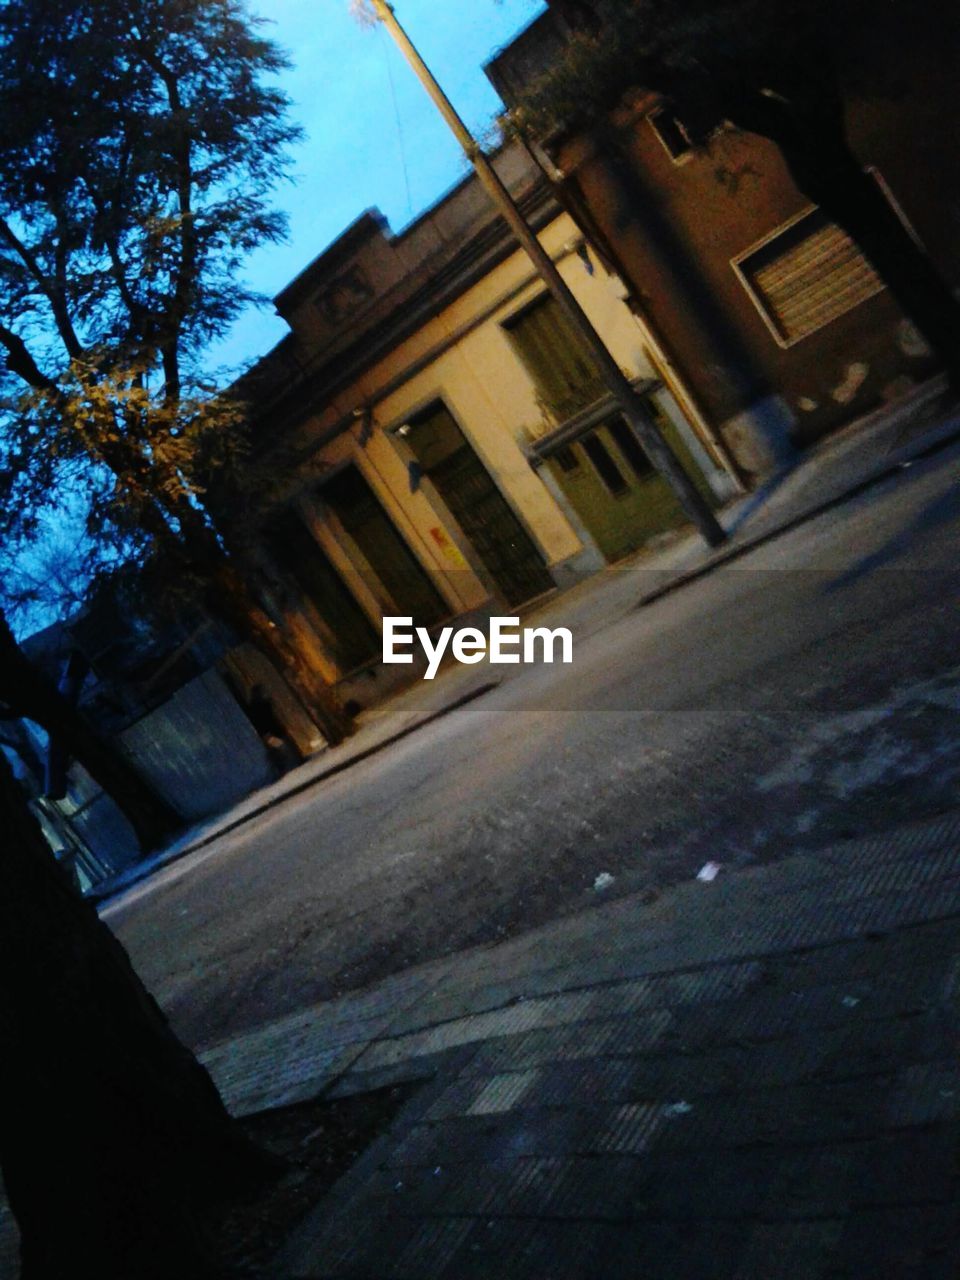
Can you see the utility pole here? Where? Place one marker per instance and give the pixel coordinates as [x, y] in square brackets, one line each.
[630, 404]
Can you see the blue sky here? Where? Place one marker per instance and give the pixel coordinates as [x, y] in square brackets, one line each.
[372, 136]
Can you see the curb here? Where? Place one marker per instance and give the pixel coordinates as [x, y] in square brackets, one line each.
[740, 549]
[105, 893]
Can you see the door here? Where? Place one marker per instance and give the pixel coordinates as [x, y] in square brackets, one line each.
[501, 543]
[613, 487]
[396, 570]
[347, 631]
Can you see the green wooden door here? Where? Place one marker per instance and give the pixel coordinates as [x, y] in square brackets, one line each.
[501, 543]
[347, 631]
[621, 499]
[396, 568]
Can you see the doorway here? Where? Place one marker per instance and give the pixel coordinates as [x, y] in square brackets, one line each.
[502, 545]
[347, 631]
[394, 568]
[612, 485]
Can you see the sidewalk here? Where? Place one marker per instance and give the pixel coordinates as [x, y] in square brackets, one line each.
[752, 1077]
[844, 466]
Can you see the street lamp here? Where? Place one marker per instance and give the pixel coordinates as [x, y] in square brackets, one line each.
[630, 404]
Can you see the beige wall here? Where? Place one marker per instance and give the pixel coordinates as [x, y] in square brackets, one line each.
[484, 384]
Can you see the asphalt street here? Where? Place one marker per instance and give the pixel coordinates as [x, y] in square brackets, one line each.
[807, 692]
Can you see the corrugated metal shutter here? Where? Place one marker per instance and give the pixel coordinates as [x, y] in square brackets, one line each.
[808, 275]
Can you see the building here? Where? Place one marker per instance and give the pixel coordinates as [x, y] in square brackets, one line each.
[448, 447]
[777, 325]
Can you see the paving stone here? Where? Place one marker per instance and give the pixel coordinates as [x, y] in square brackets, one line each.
[606, 1001]
[874, 1048]
[553, 1011]
[476, 1191]
[429, 1251]
[751, 1080]
[502, 1092]
[693, 1186]
[351, 1247]
[254, 1081]
[533, 1250]
[450, 1062]
[608, 1038]
[902, 1169]
[908, 1167]
[926, 1092]
[815, 1113]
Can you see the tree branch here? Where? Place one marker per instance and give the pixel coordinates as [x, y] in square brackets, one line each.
[136, 310]
[21, 362]
[57, 299]
[186, 267]
[61, 311]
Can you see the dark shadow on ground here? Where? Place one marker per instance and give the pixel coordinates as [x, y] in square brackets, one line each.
[932, 517]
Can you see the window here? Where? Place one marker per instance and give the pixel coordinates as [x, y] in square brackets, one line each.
[567, 458]
[673, 136]
[805, 275]
[625, 438]
[566, 378]
[607, 469]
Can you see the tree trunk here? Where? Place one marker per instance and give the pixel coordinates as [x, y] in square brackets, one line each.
[234, 602]
[25, 690]
[230, 598]
[114, 1143]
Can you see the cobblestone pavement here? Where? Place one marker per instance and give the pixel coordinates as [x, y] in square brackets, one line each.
[754, 1077]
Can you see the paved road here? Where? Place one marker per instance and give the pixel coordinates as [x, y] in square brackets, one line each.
[808, 692]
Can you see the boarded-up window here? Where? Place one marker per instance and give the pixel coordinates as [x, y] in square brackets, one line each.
[566, 377]
[806, 276]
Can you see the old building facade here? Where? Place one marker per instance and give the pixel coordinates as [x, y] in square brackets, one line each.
[777, 324]
[457, 454]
